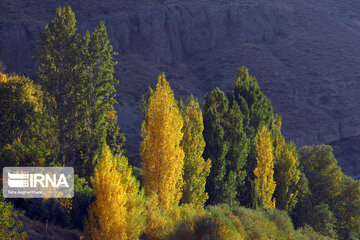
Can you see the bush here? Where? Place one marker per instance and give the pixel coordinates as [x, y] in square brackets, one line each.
[221, 222]
[10, 226]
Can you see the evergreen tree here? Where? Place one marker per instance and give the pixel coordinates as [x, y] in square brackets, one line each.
[161, 153]
[264, 172]
[196, 169]
[119, 205]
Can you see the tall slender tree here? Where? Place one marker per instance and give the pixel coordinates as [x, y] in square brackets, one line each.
[161, 153]
[239, 146]
[97, 93]
[264, 172]
[286, 171]
[59, 69]
[78, 72]
[257, 110]
[196, 169]
[215, 106]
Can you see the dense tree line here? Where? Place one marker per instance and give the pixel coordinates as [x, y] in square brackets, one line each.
[202, 164]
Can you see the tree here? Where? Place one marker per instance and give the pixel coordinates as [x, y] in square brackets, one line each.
[239, 146]
[286, 171]
[257, 110]
[119, 205]
[215, 107]
[264, 172]
[323, 173]
[96, 98]
[10, 225]
[161, 153]
[196, 169]
[27, 133]
[59, 65]
[330, 186]
[78, 72]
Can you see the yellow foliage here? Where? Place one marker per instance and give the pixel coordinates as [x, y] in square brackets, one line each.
[117, 211]
[161, 153]
[159, 223]
[264, 172]
[29, 92]
[288, 175]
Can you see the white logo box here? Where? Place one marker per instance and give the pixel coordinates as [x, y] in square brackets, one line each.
[38, 182]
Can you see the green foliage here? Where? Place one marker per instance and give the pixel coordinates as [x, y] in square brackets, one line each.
[10, 225]
[59, 65]
[239, 146]
[256, 109]
[222, 222]
[196, 169]
[83, 197]
[27, 136]
[19, 154]
[332, 198]
[323, 173]
[287, 172]
[23, 115]
[215, 107]
[96, 98]
[308, 233]
[78, 72]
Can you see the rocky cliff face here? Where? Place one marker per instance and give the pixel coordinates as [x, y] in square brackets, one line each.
[305, 54]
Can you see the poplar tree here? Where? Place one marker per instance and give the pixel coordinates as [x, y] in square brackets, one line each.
[257, 110]
[59, 67]
[196, 169]
[161, 153]
[119, 205]
[286, 171]
[215, 107]
[239, 146]
[78, 72]
[96, 96]
[264, 171]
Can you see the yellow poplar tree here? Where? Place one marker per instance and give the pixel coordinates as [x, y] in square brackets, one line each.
[287, 173]
[118, 210]
[196, 169]
[161, 153]
[264, 172]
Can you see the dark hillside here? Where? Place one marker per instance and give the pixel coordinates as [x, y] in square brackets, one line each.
[305, 54]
